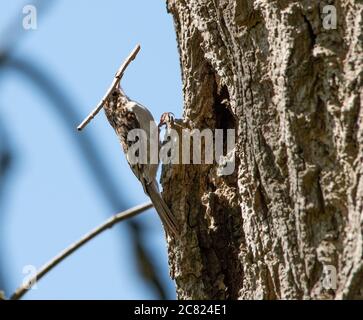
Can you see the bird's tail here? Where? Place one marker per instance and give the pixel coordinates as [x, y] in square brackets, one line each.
[162, 209]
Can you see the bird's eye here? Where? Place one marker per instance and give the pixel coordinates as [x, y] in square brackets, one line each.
[114, 94]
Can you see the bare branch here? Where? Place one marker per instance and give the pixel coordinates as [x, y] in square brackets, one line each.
[22, 290]
[115, 82]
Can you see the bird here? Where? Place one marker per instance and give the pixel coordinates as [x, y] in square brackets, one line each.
[124, 115]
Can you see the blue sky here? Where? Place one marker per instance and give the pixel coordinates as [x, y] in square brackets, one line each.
[52, 199]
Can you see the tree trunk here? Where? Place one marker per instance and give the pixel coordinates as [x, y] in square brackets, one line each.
[292, 212]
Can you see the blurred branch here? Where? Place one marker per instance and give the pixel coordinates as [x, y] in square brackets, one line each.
[5, 151]
[6, 157]
[145, 264]
[10, 37]
[65, 108]
[73, 247]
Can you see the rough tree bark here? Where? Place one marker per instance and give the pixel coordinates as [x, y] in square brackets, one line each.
[293, 91]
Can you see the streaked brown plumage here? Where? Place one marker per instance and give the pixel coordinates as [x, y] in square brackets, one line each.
[125, 115]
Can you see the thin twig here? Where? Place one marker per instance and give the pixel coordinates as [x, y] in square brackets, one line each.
[73, 247]
[115, 82]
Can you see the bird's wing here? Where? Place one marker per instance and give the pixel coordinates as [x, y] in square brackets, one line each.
[145, 121]
[143, 115]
